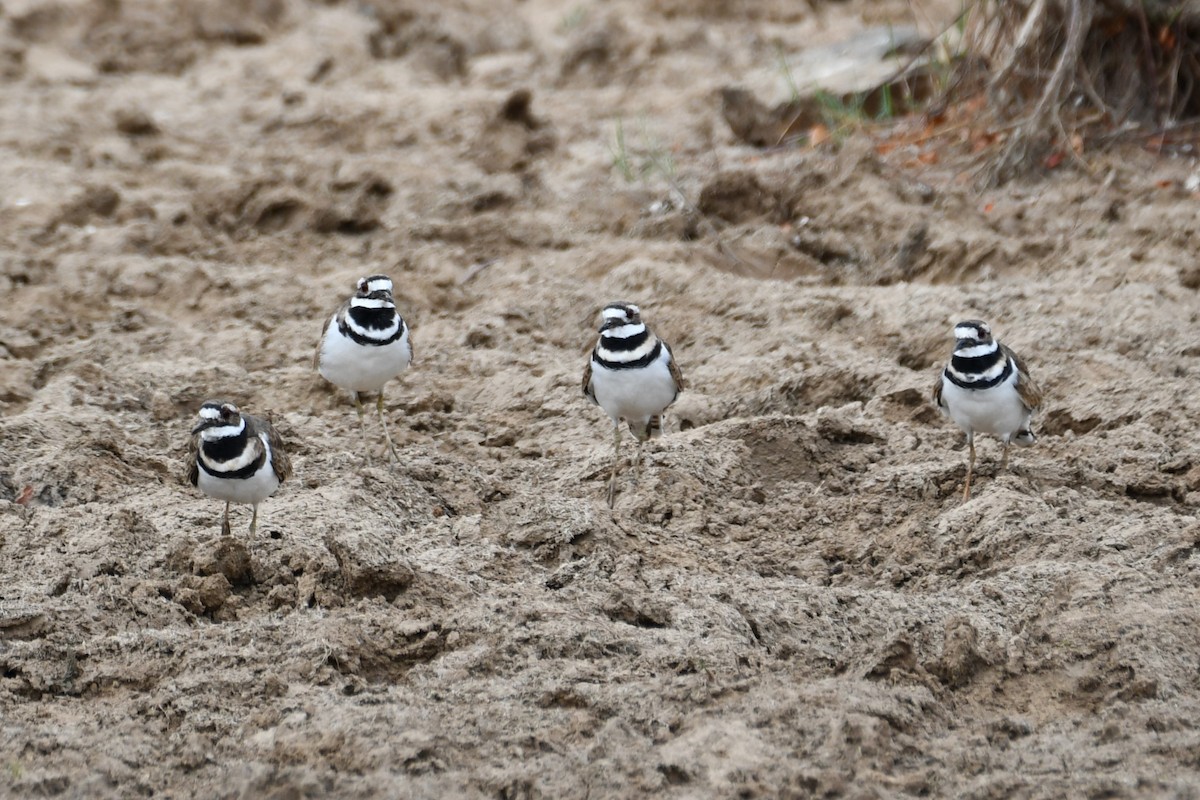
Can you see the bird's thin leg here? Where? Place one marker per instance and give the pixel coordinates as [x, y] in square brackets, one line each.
[612, 479]
[254, 521]
[1004, 456]
[362, 427]
[383, 422]
[970, 466]
[637, 462]
[225, 522]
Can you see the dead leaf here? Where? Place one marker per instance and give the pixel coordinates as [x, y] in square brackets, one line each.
[1165, 183]
[818, 134]
[25, 496]
[988, 208]
[981, 140]
[928, 157]
[1077, 143]
[1054, 159]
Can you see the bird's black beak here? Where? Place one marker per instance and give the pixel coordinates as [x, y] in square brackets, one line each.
[204, 423]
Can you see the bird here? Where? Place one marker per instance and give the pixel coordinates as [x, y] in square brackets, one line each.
[633, 376]
[986, 388]
[236, 458]
[364, 345]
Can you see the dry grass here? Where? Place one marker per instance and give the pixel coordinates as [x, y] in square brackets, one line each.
[1059, 74]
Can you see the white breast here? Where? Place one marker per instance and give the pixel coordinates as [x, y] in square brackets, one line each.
[361, 368]
[258, 487]
[998, 410]
[635, 394]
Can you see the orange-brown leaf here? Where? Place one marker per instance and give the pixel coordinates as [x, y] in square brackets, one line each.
[25, 496]
[981, 140]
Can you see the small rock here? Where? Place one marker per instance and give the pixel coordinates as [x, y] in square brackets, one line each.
[190, 600]
[1189, 277]
[134, 122]
[369, 571]
[1009, 728]
[960, 653]
[213, 591]
[94, 201]
[225, 556]
[21, 621]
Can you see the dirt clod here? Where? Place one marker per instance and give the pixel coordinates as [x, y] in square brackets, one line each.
[228, 557]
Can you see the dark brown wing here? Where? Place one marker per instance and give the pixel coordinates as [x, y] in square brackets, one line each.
[673, 365]
[193, 466]
[279, 457]
[1030, 394]
[587, 380]
[280, 463]
[412, 351]
[937, 390]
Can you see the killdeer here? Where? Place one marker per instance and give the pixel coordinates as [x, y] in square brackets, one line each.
[633, 376]
[236, 458]
[986, 389]
[364, 345]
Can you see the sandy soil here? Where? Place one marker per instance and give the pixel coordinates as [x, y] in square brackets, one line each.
[793, 602]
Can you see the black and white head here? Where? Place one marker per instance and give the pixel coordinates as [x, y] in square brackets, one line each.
[973, 338]
[373, 317]
[618, 316]
[219, 421]
[625, 341]
[376, 290]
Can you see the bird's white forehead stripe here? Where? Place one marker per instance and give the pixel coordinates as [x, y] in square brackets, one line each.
[619, 313]
[967, 332]
[379, 284]
[210, 413]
